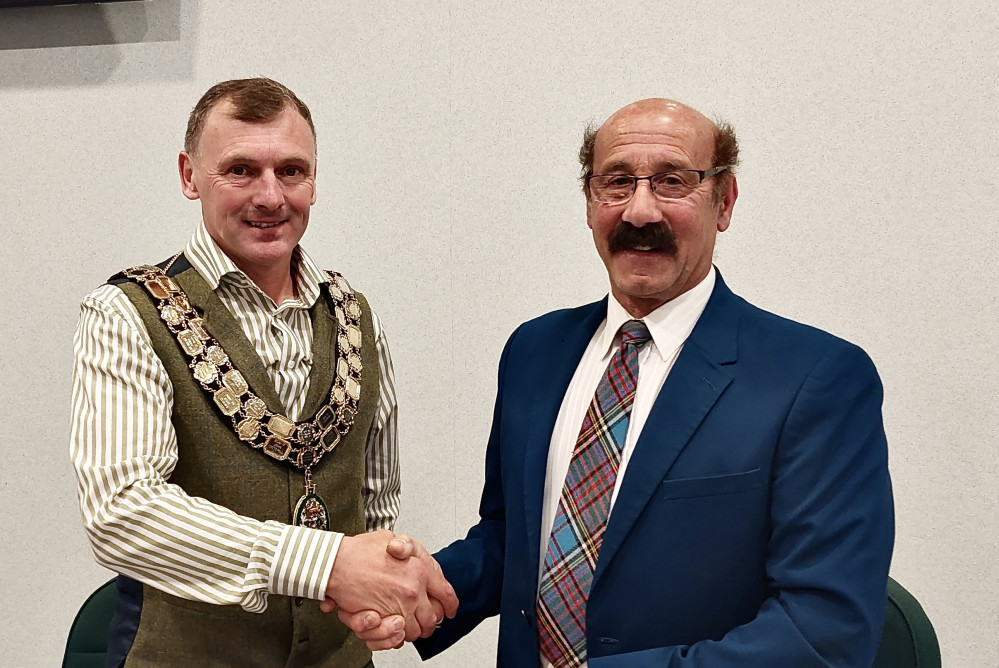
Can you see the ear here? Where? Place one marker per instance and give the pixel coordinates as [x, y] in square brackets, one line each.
[727, 204]
[591, 210]
[185, 165]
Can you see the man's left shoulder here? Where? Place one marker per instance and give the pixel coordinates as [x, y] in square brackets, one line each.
[767, 333]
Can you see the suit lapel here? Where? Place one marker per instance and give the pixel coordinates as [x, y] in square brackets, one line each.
[693, 386]
[557, 364]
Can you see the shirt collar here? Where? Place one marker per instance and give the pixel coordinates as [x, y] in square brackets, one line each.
[215, 266]
[669, 325]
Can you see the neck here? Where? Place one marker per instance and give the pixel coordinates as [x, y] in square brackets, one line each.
[276, 281]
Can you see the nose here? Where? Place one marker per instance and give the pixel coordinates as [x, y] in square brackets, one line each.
[643, 207]
[268, 193]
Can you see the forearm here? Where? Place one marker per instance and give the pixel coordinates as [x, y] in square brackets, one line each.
[188, 547]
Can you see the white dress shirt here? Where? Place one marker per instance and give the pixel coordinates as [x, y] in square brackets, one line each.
[670, 325]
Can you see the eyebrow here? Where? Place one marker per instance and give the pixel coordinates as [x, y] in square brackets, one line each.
[240, 158]
[620, 167]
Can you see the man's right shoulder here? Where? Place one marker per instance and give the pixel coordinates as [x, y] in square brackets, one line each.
[562, 318]
[105, 294]
[556, 323]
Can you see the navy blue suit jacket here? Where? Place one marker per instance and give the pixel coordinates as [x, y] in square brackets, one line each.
[753, 527]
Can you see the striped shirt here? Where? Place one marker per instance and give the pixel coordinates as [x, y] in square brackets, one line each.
[124, 448]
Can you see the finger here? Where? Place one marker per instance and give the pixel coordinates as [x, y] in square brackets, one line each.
[401, 547]
[426, 617]
[391, 628]
[395, 642]
[413, 629]
[438, 610]
[437, 616]
[327, 605]
[439, 588]
[368, 622]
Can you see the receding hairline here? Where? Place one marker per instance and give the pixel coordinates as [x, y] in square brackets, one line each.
[225, 108]
[253, 100]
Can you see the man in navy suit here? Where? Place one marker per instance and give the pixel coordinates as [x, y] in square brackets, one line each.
[748, 515]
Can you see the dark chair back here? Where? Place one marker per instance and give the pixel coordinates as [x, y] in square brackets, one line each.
[87, 644]
[908, 639]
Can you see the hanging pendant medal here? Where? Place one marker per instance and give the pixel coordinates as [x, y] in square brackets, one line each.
[311, 511]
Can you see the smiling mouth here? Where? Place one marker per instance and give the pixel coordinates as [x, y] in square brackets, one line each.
[263, 225]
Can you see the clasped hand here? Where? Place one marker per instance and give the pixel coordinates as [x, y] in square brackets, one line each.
[388, 589]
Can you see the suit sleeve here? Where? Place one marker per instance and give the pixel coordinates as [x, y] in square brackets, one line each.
[474, 565]
[832, 531]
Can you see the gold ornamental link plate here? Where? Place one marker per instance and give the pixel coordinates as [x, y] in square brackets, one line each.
[190, 342]
[248, 429]
[157, 289]
[171, 315]
[180, 302]
[354, 336]
[354, 389]
[281, 426]
[197, 326]
[234, 381]
[216, 355]
[205, 372]
[255, 407]
[227, 402]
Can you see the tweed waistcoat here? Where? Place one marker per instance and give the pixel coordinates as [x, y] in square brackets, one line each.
[215, 465]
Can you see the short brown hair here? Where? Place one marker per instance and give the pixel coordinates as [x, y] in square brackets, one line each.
[726, 153]
[253, 100]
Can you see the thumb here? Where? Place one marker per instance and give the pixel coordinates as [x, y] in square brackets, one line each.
[401, 547]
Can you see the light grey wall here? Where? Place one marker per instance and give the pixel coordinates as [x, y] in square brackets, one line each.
[447, 193]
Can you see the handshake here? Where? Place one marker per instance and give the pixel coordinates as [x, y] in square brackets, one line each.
[388, 589]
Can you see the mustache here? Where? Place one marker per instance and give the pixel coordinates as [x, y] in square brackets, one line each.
[657, 236]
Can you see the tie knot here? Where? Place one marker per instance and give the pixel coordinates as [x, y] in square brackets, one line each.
[634, 332]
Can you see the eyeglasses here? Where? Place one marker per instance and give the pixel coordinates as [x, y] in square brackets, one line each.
[674, 184]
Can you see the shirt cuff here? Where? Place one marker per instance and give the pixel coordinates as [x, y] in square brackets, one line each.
[303, 562]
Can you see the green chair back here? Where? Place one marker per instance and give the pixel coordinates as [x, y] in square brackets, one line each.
[87, 644]
[908, 639]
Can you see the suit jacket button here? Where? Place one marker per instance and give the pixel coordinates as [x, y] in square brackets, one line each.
[528, 617]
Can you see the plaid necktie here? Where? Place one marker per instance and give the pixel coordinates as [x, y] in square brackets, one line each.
[584, 506]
